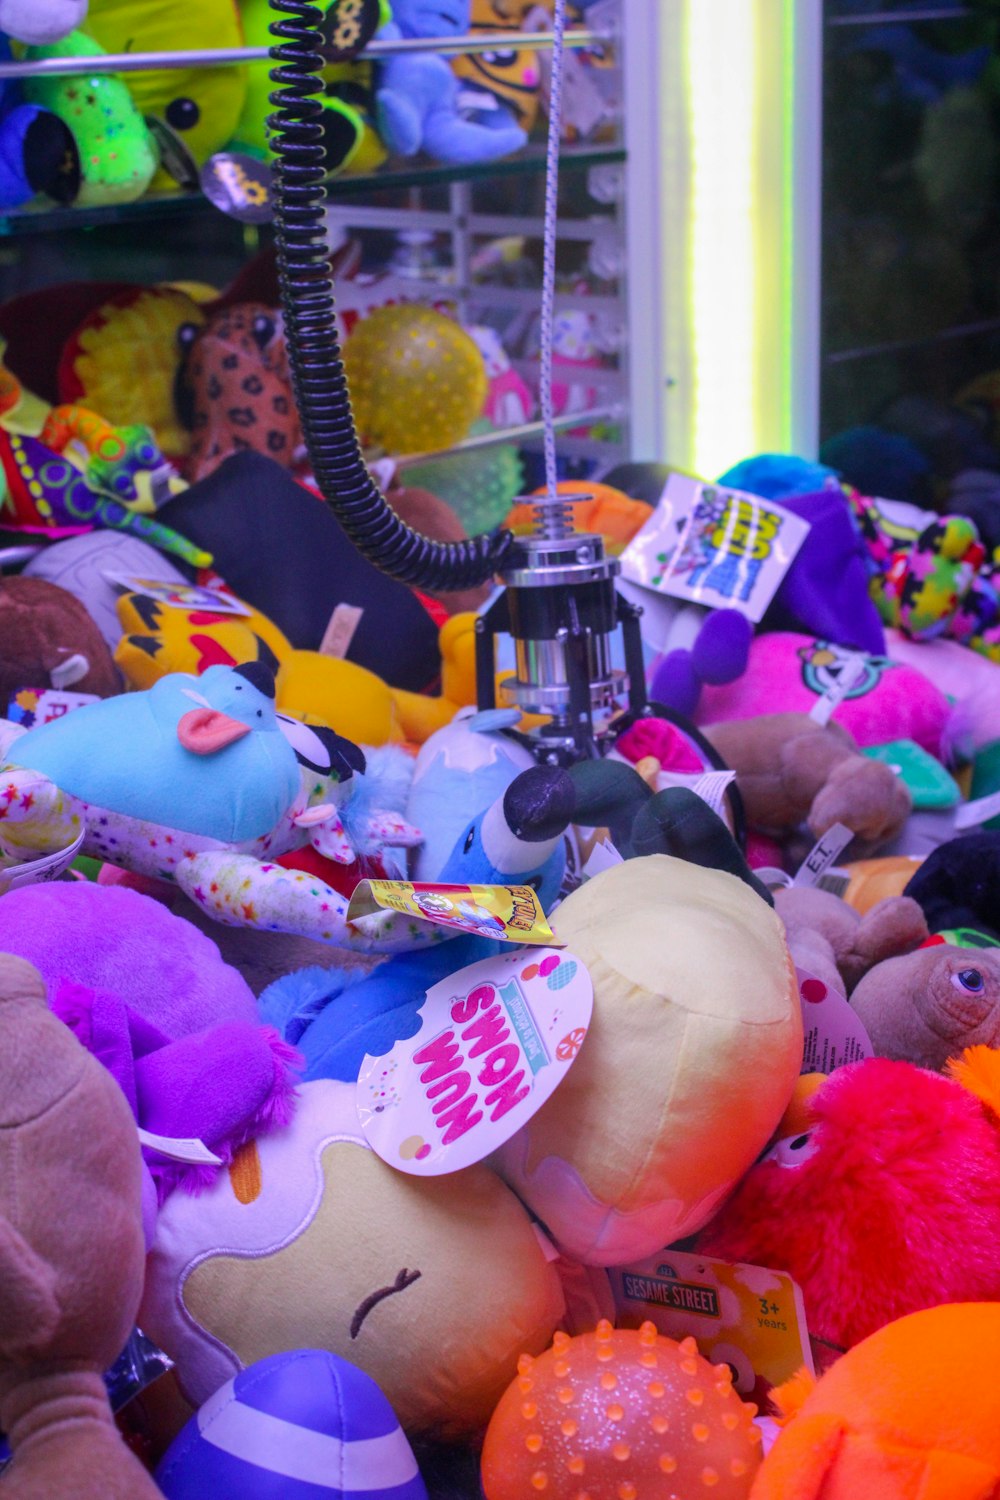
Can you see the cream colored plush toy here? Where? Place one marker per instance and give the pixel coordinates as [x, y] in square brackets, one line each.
[692, 1052]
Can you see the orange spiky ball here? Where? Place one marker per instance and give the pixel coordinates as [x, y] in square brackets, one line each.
[620, 1414]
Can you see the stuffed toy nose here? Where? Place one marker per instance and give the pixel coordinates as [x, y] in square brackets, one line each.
[205, 730]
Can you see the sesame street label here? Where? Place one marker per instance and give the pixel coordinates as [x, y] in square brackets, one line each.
[495, 1040]
[723, 548]
[507, 913]
[832, 1032]
[747, 1317]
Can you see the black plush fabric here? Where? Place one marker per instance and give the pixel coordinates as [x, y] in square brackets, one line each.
[958, 884]
[283, 551]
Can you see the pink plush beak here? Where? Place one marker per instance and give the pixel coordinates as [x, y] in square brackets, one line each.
[205, 730]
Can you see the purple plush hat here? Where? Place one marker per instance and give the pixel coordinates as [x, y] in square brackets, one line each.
[825, 591]
[114, 940]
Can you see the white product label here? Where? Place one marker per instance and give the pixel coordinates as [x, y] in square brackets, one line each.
[179, 1148]
[825, 852]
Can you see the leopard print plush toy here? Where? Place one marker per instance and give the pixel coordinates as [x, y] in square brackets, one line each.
[235, 390]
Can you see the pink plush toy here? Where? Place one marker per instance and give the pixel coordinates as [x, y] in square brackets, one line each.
[789, 673]
[888, 1204]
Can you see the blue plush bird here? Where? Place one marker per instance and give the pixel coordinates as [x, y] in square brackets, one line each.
[202, 755]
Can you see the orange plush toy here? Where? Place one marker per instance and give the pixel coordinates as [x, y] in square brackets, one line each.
[912, 1413]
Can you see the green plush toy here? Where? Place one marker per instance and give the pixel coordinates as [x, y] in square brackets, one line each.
[117, 156]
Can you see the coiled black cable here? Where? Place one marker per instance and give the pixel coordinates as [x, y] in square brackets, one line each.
[318, 375]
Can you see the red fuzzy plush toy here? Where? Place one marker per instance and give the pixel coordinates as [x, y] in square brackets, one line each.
[889, 1203]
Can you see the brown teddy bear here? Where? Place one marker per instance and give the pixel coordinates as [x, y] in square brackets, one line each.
[48, 640]
[71, 1254]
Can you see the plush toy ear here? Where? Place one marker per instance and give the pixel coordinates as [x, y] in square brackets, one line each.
[978, 1070]
[790, 1397]
[29, 1308]
[799, 1464]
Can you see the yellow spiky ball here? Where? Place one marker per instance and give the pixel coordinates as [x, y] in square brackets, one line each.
[417, 380]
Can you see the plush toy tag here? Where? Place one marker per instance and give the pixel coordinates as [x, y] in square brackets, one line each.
[850, 669]
[928, 781]
[723, 548]
[495, 1040]
[339, 633]
[825, 852]
[603, 856]
[744, 1316]
[178, 1148]
[510, 913]
[971, 814]
[32, 706]
[38, 871]
[832, 1030]
[182, 595]
[240, 187]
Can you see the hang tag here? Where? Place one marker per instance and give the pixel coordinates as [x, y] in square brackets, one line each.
[39, 871]
[850, 669]
[239, 186]
[603, 857]
[713, 546]
[825, 852]
[30, 707]
[339, 633]
[773, 878]
[971, 814]
[833, 1034]
[712, 788]
[507, 913]
[175, 158]
[181, 595]
[495, 1040]
[179, 1148]
[747, 1317]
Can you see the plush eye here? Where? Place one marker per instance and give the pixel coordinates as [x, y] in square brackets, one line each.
[470, 839]
[183, 114]
[308, 747]
[969, 982]
[500, 59]
[793, 1150]
[262, 330]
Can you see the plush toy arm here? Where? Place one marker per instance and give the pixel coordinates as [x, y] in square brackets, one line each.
[36, 816]
[238, 891]
[29, 1307]
[118, 518]
[450, 138]
[866, 796]
[418, 108]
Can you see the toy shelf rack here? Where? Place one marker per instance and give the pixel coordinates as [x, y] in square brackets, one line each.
[458, 209]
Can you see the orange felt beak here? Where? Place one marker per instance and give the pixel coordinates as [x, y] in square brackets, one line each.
[205, 730]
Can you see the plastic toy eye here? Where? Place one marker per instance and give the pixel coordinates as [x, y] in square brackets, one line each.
[969, 981]
[262, 330]
[793, 1150]
[470, 838]
[500, 59]
[183, 114]
[186, 335]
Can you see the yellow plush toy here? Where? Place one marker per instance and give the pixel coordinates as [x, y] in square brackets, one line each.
[200, 106]
[690, 1060]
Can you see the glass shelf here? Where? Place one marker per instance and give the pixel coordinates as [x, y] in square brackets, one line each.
[43, 218]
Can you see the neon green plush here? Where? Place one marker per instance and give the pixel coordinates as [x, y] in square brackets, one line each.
[117, 155]
[200, 105]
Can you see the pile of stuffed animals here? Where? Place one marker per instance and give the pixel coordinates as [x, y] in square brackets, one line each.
[104, 138]
[213, 1277]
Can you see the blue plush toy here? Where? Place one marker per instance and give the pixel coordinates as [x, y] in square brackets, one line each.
[418, 97]
[37, 150]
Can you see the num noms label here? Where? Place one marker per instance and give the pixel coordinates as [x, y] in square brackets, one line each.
[495, 1041]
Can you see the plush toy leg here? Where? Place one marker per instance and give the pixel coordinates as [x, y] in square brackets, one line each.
[118, 518]
[36, 816]
[65, 1443]
[449, 138]
[676, 821]
[238, 891]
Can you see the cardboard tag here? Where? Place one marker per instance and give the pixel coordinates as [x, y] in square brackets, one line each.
[747, 1317]
[833, 1034]
[971, 814]
[825, 852]
[723, 548]
[181, 595]
[33, 706]
[712, 788]
[508, 913]
[495, 1040]
[339, 633]
[603, 856]
[179, 1148]
[39, 871]
[850, 670]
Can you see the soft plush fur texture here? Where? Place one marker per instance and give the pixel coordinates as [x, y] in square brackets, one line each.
[116, 940]
[837, 944]
[890, 1204]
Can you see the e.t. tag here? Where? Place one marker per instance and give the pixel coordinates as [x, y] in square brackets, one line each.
[832, 1031]
[495, 1040]
[825, 852]
[747, 1317]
